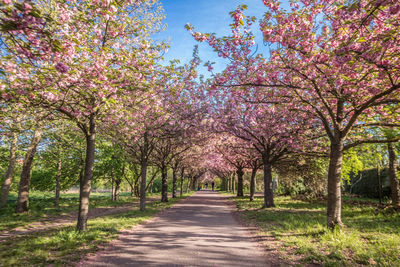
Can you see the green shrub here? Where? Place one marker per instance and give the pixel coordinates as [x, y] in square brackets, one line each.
[365, 183]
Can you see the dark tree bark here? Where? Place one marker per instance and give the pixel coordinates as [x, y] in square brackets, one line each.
[394, 181]
[164, 186]
[228, 184]
[118, 182]
[233, 184]
[193, 185]
[137, 189]
[182, 176]
[117, 189]
[143, 175]
[112, 187]
[378, 172]
[240, 174]
[195, 181]
[131, 182]
[132, 190]
[23, 190]
[86, 181]
[253, 182]
[58, 182]
[150, 184]
[151, 187]
[187, 184]
[268, 190]
[5, 189]
[334, 211]
[143, 172]
[255, 185]
[174, 180]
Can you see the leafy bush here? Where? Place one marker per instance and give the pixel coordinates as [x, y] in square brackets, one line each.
[366, 184]
[302, 176]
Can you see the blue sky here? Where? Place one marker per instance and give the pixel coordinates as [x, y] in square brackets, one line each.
[207, 17]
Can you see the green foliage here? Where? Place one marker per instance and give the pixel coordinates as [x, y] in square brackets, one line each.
[292, 187]
[44, 179]
[60, 145]
[366, 183]
[4, 154]
[369, 237]
[302, 176]
[363, 157]
[158, 183]
[352, 164]
[217, 182]
[110, 160]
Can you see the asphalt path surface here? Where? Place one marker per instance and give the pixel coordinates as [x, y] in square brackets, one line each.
[199, 231]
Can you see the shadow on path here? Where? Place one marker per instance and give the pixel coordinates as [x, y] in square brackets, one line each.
[199, 231]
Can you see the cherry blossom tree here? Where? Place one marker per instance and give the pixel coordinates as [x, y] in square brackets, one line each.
[105, 55]
[339, 67]
[234, 153]
[331, 61]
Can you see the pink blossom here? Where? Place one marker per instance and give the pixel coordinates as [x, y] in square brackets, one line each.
[60, 67]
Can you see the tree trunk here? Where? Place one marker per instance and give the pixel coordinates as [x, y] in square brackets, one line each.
[253, 182]
[228, 184]
[378, 172]
[187, 185]
[164, 187]
[137, 187]
[132, 190]
[240, 173]
[394, 181]
[58, 183]
[86, 181]
[112, 187]
[174, 182]
[143, 175]
[334, 210]
[116, 189]
[23, 190]
[151, 187]
[233, 184]
[193, 185]
[10, 171]
[268, 190]
[182, 174]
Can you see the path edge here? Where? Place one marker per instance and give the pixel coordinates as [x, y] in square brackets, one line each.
[102, 248]
[253, 231]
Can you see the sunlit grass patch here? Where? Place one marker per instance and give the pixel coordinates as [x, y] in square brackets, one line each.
[41, 207]
[66, 246]
[370, 237]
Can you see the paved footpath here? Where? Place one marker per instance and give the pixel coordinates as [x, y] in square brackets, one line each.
[199, 231]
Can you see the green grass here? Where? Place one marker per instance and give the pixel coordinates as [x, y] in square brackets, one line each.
[41, 206]
[371, 236]
[65, 246]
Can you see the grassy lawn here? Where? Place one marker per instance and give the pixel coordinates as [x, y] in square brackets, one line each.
[65, 246]
[41, 207]
[371, 236]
